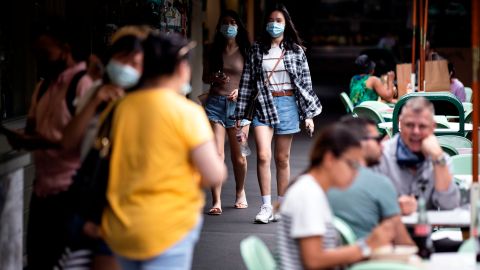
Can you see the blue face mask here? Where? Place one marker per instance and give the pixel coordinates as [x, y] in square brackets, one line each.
[122, 75]
[275, 29]
[229, 31]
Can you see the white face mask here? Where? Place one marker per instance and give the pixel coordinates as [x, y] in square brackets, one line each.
[186, 89]
[122, 75]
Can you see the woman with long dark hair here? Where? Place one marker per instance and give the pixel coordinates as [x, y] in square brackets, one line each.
[277, 67]
[222, 71]
[306, 236]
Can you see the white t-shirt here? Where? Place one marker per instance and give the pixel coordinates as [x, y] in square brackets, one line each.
[305, 212]
[280, 80]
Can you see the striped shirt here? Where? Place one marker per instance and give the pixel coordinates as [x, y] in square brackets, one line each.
[280, 79]
[305, 213]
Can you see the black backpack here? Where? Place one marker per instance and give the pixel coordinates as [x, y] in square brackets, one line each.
[71, 91]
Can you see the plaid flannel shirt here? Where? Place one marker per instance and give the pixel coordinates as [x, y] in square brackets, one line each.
[253, 77]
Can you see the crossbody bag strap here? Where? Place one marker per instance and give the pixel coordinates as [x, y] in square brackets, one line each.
[267, 80]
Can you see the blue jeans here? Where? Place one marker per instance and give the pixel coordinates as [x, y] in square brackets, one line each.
[178, 257]
[287, 110]
[221, 110]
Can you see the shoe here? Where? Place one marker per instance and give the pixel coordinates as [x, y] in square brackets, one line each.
[276, 217]
[265, 215]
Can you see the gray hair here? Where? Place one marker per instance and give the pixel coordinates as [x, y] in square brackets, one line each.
[418, 105]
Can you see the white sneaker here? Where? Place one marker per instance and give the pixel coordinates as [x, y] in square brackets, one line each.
[276, 216]
[265, 215]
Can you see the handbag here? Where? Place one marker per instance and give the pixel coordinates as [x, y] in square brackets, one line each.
[90, 183]
[252, 103]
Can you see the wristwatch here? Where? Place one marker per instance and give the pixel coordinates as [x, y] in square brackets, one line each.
[441, 161]
[364, 248]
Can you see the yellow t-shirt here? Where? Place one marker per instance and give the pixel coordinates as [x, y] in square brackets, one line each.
[154, 194]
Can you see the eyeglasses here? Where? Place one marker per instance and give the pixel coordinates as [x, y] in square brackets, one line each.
[353, 164]
[378, 138]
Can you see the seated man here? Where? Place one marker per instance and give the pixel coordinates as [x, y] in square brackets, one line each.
[415, 162]
[371, 198]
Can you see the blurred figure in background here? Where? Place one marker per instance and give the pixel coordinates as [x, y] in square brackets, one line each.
[222, 71]
[163, 153]
[456, 86]
[306, 237]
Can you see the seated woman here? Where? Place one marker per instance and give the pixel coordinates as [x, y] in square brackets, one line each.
[456, 86]
[306, 237]
[365, 86]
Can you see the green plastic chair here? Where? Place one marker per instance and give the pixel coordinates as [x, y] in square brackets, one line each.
[467, 106]
[449, 150]
[455, 141]
[369, 113]
[433, 97]
[376, 105]
[468, 246]
[462, 164]
[256, 255]
[383, 265]
[345, 231]
[468, 94]
[347, 102]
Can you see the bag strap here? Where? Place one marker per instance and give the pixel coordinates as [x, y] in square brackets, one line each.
[267, 81]
[103, 141]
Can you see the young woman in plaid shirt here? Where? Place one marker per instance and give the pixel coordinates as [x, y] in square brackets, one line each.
[276, 67]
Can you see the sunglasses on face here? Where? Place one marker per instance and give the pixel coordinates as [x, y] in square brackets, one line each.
[378, 138]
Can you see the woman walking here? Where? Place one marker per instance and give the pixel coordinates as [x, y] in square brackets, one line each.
[276, 67]
[222, 71]
[163, 153]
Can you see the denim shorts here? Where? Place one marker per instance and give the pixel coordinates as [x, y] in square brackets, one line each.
[177, 257]
[221, 110]
[287, 110]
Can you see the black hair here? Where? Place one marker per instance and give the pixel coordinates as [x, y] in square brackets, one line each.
[451, 69]
[358, 124]
[126, 45]
[291, 38]
[162, 54]
[215, 58]
[336, 139]
[364, 65]
[65, 33]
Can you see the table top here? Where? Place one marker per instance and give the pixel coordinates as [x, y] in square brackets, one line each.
[459, 218]
[448, 261]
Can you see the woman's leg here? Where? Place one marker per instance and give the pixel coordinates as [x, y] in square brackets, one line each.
[283, 144]
[219, 136]
[239, 167]
[263, 139]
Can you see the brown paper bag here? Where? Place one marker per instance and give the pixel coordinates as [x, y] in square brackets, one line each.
[437, 77]
[403, 78]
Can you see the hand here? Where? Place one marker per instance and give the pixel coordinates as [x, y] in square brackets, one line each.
[431, 147]
[382, 235]
[108, 92]
[92, 230]
[220, 80]
[408, 204]
[391, 76]
[310, 126]
[234, 95]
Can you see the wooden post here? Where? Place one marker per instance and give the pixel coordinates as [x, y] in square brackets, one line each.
[475, 85]
[424, 39]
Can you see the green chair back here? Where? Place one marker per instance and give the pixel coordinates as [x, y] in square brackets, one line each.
[462, 164]
[383, 265]
[468, 246]
[468, 117]
[370, 113]
[256, 255]
[345, 231]
[449, 150]
[455, 141]
[433, 97]
[347, 102]
[468, 94]
[376, 105]
[467, 106]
